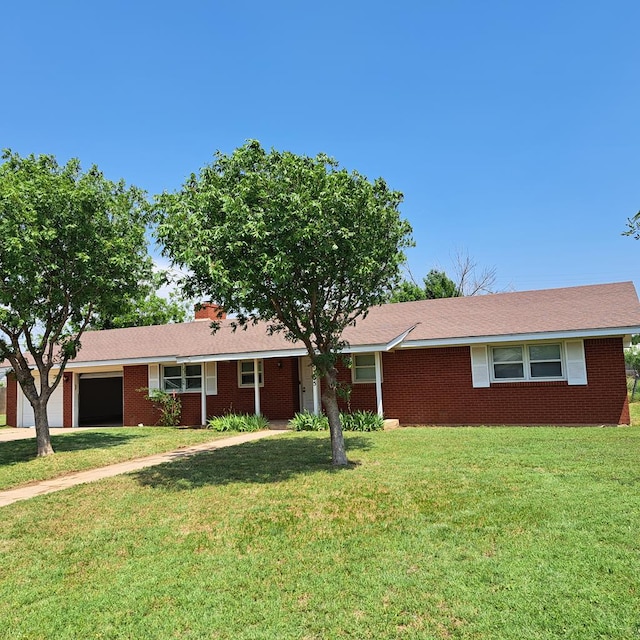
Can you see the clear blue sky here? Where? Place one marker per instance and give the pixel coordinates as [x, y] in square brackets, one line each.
[511, 127]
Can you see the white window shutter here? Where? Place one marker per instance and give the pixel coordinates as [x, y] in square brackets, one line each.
[480, 367]
[154, 376]
[211, 378]
[576, 364]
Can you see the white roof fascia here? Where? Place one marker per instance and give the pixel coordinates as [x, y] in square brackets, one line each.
[121, 362]
[364, 348]
[521, 337]
[248, 355]
[396, 341]
[282, 353]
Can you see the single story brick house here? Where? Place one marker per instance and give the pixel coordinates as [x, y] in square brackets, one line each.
[553, 356]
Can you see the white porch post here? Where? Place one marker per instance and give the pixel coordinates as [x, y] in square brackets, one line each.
[256, 386]
[316, 395]
[378, 362]
[203, 397]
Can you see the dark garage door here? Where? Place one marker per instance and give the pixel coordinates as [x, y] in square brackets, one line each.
[100, 401]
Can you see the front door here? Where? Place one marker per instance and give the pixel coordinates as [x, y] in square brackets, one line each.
[306, 384]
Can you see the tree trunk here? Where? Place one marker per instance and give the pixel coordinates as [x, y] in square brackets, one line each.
[330, 401]
[43, 437]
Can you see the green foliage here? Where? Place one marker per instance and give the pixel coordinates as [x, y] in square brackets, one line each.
[291, 240]
[632, 359]
[242, 422]
[144, 309]
[72, 245]
[361, 421]
[307, 421]
[168, 404]
[437, 284]
[633, 226]
[632, 362]
[407, 291]
[354, 421]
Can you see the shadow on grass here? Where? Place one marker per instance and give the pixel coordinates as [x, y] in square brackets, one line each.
[14, 451]
[263, 461]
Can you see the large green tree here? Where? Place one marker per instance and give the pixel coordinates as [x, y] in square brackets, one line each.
[72, 245]
[292, 240]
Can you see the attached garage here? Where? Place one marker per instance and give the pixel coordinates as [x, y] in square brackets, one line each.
[54, 408]
[100, 399]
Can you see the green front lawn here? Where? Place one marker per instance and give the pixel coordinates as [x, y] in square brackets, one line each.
[481, 533]
[79, 450]
[3, 420]
[634, 410]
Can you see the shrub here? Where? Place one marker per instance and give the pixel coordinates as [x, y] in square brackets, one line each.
[307, 421]
[361, 421]
[168, 404]
[238, 422]
[356, 421]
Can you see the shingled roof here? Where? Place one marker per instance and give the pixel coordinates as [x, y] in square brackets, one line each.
[587, 311]
[609, 309]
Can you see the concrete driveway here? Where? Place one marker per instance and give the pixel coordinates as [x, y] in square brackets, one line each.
[12, 433]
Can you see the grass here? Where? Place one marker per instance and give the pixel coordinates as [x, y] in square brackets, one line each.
[503, 533]
[87, 449]
[634, 410]
[3, 420]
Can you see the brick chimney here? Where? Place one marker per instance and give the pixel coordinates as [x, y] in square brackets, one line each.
[209, 311]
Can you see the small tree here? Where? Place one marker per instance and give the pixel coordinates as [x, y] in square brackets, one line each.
[291, 240]
[72, 245]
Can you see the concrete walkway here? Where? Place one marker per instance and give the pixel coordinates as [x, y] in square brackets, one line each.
[81, 477]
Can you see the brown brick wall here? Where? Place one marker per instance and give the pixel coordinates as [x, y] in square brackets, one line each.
[191, 409]
[433, 386]
[279, 398]
[67, 398]
[420, 386]
[137, 410]
[12, 400]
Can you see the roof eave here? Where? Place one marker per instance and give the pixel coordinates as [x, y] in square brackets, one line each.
[522, 337]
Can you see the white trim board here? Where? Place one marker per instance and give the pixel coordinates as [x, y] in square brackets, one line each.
[521, 337]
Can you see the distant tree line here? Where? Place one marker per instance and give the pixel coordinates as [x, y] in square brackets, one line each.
[470, 280]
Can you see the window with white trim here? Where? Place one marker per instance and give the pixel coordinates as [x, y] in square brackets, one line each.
[246, 373]
[527, 362]
[363, 368]
[182, 377]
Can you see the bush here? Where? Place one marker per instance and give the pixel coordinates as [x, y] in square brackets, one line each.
[168, 404]
[243, 422]
[361, 421]
[307, 421]
[356, 421]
